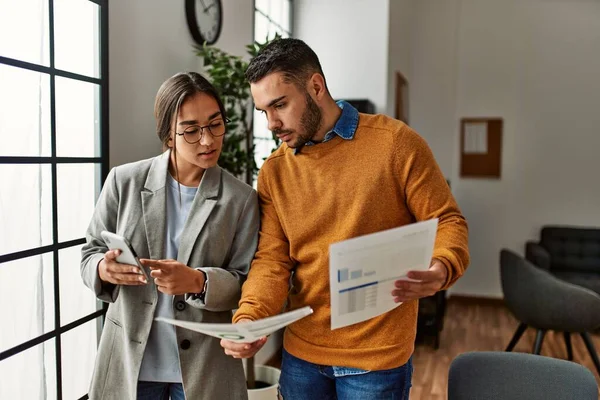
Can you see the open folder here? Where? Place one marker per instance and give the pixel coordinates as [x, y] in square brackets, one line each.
[245, 332]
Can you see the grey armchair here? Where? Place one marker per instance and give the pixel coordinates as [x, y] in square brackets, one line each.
[569, 253]
[544, 302]
[518, 376]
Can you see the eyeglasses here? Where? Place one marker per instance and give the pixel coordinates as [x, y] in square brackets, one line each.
[194, 133]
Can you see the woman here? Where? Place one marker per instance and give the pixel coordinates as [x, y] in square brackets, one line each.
[195, 228]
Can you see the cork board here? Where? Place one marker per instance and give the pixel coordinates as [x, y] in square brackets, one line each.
[480, 147]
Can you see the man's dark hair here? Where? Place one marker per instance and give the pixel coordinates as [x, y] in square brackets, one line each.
[292, 57]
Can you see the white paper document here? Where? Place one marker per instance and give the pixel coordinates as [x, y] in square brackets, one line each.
[476, 134]
[362, 270]
[245, 332]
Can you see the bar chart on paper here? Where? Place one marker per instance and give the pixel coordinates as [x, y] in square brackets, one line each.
[363, 270]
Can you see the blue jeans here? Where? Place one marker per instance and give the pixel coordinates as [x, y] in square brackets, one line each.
[303, 380]
[159, 391]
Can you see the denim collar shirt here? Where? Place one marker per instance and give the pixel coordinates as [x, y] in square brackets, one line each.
[345, 127]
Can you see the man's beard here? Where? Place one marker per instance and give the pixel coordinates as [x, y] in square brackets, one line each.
[310, 123]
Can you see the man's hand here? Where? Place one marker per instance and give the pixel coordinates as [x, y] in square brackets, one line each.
[431, 281]
[173, 277]
[109, 270]
[242, 350]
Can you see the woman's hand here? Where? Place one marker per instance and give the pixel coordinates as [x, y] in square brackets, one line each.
[109, 270]
[173, 277]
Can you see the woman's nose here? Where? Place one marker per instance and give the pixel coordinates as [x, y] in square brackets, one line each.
[207, 138]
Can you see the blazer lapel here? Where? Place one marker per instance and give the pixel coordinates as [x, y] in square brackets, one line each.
[154, 205]
[203, 204]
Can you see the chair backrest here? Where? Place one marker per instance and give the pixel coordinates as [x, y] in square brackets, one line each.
[539, 299]
[516, 376]
[572, 248]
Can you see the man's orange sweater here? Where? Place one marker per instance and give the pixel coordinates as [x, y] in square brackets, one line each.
[384, 178]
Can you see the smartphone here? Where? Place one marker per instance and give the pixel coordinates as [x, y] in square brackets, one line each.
[127, 256]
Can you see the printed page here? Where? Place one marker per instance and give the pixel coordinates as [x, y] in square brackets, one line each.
[362, 270]
[245, 332]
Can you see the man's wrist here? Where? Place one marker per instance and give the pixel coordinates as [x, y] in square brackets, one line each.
[445, 271]
[442, 267]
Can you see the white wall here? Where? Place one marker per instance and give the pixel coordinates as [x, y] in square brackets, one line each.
[432, 76]
[148, 42]
[350, 38]
[536, 65]
[401, 15]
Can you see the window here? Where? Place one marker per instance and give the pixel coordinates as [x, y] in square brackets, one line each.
[53, 158]
[270, 17]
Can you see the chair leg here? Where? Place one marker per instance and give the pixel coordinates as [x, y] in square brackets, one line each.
[539, 338]
[516, 336]
[568, 344]
[590, 347]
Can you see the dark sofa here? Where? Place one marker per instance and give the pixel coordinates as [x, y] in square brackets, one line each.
[569, 253]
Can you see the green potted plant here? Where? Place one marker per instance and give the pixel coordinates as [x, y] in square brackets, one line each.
[227, 74]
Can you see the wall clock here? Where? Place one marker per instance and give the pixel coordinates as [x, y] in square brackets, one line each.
[204, 19]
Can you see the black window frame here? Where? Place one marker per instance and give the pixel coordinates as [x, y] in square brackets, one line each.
[54, 161]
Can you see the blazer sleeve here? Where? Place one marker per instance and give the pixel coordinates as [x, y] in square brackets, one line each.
[223, 288]
[104, 218]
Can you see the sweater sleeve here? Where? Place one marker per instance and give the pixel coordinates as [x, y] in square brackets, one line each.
[428, 196]
[265, 291]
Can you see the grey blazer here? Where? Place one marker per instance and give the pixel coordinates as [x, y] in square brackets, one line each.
[220, 236]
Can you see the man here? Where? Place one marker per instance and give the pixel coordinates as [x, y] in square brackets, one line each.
[338, 174]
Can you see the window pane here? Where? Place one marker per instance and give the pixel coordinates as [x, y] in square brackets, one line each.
[263, 149]
[25, 207]
[78, 355]
[285, 16]
[24, 30]
[262, 5]
[76, 199]
[275, 12]
[77, 37]
[263, 141]
[273, 30]
[261, 27]
[77, 118]
[34, 314]
[25, 116]
[76, 300]
[30, 374]
[261, 126]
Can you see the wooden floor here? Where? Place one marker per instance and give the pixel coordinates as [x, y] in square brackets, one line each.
[472, 325]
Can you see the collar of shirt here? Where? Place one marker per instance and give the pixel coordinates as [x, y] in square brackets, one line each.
[345, 127]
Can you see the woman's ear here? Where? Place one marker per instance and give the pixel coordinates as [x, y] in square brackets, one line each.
[170, 142]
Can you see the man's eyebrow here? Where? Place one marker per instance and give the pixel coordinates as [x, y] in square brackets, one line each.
[272, 102]
[195, 122]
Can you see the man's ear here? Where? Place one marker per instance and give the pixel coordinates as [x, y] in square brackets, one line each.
[316, 85]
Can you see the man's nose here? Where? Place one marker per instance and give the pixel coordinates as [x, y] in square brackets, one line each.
[274, 124]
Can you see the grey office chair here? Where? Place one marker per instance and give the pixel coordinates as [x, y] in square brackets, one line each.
[544, 302]
[518, 376]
